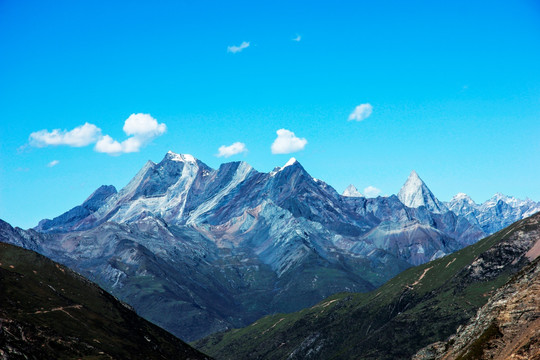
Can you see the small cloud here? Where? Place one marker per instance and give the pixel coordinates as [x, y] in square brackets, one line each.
[236, 49]
[371, 191]
[227, 151]
[22, 169]
[361, 112]
[297, 38]
[143, 128]
[53, 163]
[80, 136]
[286, 142]
[143, 125]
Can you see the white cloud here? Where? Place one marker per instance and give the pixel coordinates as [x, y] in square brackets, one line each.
[108, 145]
[286, 142]
[235, 49]
[236, 148]
[143, 128]
[80, 136]
[371, 191]
[297, 38]
[53, 163]
[361, 112]
[143, 125]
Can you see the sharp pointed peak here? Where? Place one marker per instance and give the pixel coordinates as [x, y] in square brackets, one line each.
[414, 176]
[291, 161]
[415, 193]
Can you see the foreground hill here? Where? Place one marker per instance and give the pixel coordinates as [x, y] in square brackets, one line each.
[507, 327]
[422, 305]
[49, 312]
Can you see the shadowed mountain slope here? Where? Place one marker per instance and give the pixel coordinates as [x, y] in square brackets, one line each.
[49, 312]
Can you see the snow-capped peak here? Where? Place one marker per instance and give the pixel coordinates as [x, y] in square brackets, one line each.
[291, 161]
[415, 193]
[352, 191]
[277, 169]
[510, 200]
[462, 197]
[180, 157]
[412, 186]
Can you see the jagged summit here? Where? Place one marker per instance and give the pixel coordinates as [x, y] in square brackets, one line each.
[180, 157]
[415, 193]
[352, 191]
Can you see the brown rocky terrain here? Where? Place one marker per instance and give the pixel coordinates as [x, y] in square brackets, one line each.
[507, 327]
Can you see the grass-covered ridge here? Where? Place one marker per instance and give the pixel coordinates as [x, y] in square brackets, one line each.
[49, 312]
[417, 307]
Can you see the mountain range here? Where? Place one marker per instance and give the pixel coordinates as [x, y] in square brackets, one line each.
[480, 302]
[198, 250]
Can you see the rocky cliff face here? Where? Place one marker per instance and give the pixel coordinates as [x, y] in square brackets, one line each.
[507, 327]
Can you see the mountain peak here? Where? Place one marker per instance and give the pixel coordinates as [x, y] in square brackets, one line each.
[352, 191]
[414, 177]
[415, 193]
[180, 157]
[462, 197]
[291, 161]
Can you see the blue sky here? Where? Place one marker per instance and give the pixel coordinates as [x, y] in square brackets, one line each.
[454, 90]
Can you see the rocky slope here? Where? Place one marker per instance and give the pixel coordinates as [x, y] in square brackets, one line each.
[219, 248]
[49, 312]
[419, 306]
[507, 327]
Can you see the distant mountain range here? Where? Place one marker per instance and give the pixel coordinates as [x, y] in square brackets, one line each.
[198, 250]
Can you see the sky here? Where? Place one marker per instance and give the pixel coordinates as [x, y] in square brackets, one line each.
[360, 92]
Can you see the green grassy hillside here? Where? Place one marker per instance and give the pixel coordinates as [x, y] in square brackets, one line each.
[49, 312]
[421, 305]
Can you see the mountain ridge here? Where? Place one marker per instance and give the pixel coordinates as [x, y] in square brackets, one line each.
[223, 247]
